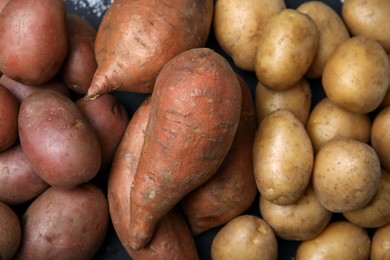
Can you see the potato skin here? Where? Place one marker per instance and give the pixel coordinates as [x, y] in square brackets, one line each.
[357, 75]
[58, 140]
[283, 158]
[245, 237]
[339, 240]
[18, 181]
[369, 19]
[10, 232]
[65, 224]
[380, 246]
[39, 58]
[9, 110]
[380, 137]
[286, 49]
[346, 174]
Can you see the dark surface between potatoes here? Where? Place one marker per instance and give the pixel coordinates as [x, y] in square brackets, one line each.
[93, 11]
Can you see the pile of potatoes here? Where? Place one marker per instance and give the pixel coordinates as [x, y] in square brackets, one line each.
[204, 146]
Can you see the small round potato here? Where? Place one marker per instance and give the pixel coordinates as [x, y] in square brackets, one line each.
[283, 158]
[380, 246]
[368, 18]
[376, 213]
[357, 75]
[346, 174]
[238, 25]
[245, 237]
[380, 137]
[296, 99]
[339, 240]
[302, 220]
[10, 232]
[328, 120]
[286, 49]
[331, 31]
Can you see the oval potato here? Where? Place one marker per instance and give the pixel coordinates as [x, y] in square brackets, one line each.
[380, 136]
[10, 232]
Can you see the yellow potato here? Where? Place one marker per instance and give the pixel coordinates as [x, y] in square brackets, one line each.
[368, 18]
[380, 136]
[282, 157]
[357, 75]
[339, 240]
[296, 99]
[346, 174]
[332, 32]
[380, 247]
[328, 120]
[286, 50]
[238, 24]
[245, 237]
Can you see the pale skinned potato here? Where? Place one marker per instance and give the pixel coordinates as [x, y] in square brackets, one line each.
[380, 246]
[327, 120]
[238, 25]
[296, 99]
[10, 232]
[380, 137]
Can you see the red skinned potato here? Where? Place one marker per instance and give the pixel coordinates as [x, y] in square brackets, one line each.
[10, 232]
[21, 90]
[58, 139]
[136, 38]
[232, 190]
[109, 119]
[65, 224]
[2, 4]
[18, 181]
[9, 110]
[34, 61]
[80, 63]
[195, 111]
[172, 238]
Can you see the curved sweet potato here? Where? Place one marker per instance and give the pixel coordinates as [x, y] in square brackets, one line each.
[172, 238]
[232, 189]
[195, 111]
[136, 38]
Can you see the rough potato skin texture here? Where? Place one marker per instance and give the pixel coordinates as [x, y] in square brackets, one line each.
[172, 238]
[36, 60]
[232, 190]
[58, 139]
[10, 232]
[65, 224]
[136, 38]
[195, 111]
[9, 109]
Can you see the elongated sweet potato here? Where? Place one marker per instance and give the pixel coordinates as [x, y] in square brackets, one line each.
[195, 111]
[172, 238]
[137, 37]
[232, 190]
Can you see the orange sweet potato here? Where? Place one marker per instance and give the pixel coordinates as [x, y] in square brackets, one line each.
[232, 189]
[172, 238]
[195, 111]
[137, 37]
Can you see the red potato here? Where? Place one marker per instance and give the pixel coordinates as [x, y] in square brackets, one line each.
[136, 38]
[64, 224]
[172, 238]
[18, 181]
[21, 90]
[109, 119]
[195, 111]
[9, 109]
[58, 139]
[2, 4]
[34, 61]
[232, 190]
[80, 63]
[10, 232]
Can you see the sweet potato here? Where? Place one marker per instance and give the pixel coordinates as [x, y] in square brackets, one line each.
[80, 63]
[33, 40]
[9, 109]
[232, 189]
[172, 238]
[18, 181]
[195, 111]
[137, 37]
[21, 90]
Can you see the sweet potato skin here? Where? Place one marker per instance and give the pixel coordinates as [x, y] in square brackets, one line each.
[232, 190]
[172, 238]
[195, 111]
[136, 38]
